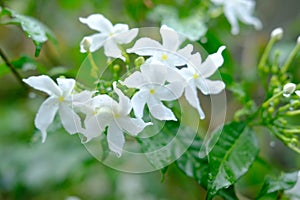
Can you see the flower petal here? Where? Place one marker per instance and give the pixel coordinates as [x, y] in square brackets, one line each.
[218, 2]
[120, 28]
[96, 42]
[43, 83]
[186, 53]
[245, 13]
[82, 97]
[139, 100]
[124, 102]
[69, 119]
[192, 97]
[45, 115]
[135, 80]
[126, 36]
[169, 92]
[160, 111]
[92, 128]
[97, 22]
[132, 125]
[187, 73]
[115, 139]
[145, 47]
[66, 85]
[211, 64]
[111, 49]
[154, 73]
[170, 38]
[210, 87]
[297, 93]
[229, 12]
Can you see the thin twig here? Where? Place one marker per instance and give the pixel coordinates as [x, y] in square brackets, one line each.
[12, 68]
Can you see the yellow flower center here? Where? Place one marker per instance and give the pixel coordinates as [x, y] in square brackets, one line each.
[195, 76]
[61, 99]
[164, 57]
[111, 34]
[151, 91]
[116, 115]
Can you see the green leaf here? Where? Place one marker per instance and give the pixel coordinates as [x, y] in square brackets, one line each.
[278, 184]
[197, 168]
[23, 63]
[191, 26]
[231, 156]
[168, 145]
[33, 29]
[163, 172]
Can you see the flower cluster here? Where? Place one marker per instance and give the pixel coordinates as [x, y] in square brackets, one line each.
[168, 73]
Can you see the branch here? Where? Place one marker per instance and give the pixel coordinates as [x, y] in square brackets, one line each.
[11, 67]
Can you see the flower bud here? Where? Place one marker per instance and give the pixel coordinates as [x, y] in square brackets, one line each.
[277, 33]
[116, 68]
[298, 93]
[298, 40]
[86, 44]
[289, 89]
[139, 61]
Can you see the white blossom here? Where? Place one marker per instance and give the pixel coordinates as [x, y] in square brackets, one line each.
[102, 111]
[289, 89]
[196, 75]
[167, 52]
[153, 89]
[242, 10]
[60, 99]
[110, 36]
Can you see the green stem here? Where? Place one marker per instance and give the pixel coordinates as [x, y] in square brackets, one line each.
[266, 103]
[291, 131]
[290, 58]
[292, 113]
[264, 57]
[94, 68]
[12, 68]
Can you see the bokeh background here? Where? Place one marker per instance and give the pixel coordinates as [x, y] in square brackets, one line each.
[62, 168]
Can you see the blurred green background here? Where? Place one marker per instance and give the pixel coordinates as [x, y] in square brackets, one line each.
[62, 167]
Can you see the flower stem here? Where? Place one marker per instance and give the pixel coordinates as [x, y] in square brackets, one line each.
[264, 57]
[94, 68]
[292, 113]
[266, 103]
[291, 131]
[290, 58]
[11, 67]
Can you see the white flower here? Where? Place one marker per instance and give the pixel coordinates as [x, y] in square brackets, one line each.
[239, 9]
[289, 89]
[61, 99]
[106, 112]
[167, 52]
[151, 82]
[196, 75]
[109, 37]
